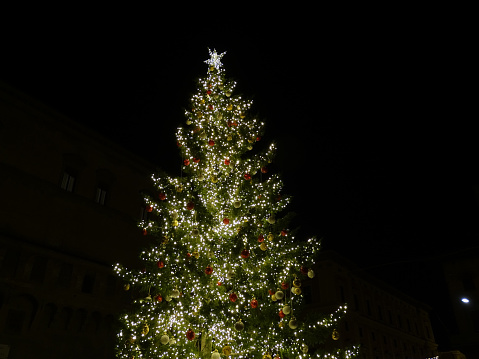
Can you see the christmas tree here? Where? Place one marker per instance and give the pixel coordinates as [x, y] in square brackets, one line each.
[223, 277]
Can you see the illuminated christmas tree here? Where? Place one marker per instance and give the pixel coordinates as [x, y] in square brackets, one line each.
[224, 275]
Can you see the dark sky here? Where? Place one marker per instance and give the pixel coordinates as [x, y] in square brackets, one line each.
[372, 118]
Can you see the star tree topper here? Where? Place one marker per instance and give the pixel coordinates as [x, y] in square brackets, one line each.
[215, 59]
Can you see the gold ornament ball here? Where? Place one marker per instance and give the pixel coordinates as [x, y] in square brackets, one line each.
[145, 329]
[293, 323]
[165, 339]
[273, 297]
[239, 326]
[237, 204]
[279, 295]
[175, 223]
[215, 355]
[267, 356]
[296, 283]
[335, 335]
[296, 290]
[214, 179]
[286, 309]
[126, 287]
[263, 246]
[311, 273]
[226, 350]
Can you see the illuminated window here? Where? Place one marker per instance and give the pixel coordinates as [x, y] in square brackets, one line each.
[68, 181]
[100, 195]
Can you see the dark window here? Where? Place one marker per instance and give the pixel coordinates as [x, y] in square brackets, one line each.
[88, 283]
[356, 302]
[39, 268]
[111, 283]
[9, 264]
[65, 275]
[380, 312]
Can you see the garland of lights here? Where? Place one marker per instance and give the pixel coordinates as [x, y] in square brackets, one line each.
[224, 274]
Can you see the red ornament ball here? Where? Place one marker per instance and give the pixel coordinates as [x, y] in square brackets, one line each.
[149, 209]
[281, 314]
[227, 161]
[260, 238]
[159, 298]
[186, 162]
[226, 221]
[196, 160]
[284, 285]
[160, 264]
[162, 196]
[233, 297]
[144, 231]
[264, 170]
[247, 176]
[245, 253]
[211, 142]
[254, 303]
[208, 92]
[284, 232]
[208, 270]
[190, 334]
[190, 206]
[304, 270]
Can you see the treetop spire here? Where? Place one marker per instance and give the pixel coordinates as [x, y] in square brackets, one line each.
[215, 59]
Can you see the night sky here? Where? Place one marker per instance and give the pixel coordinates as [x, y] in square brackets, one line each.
[372, 118]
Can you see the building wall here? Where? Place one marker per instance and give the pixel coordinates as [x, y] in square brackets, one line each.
[461, 271]
[385, 322]
[69, 204]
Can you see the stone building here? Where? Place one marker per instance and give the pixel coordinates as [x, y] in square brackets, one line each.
[385, 322]
[69, 204]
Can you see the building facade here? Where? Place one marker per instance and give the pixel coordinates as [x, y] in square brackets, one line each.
[386, 323]
[69, 205]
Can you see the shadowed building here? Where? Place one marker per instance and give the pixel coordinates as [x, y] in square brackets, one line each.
[385, 322]
[69, 205]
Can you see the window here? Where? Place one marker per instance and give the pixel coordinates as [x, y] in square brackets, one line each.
[65, 275]
[100, 195]
[88, 283]
[68, 181]
[38, 271]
